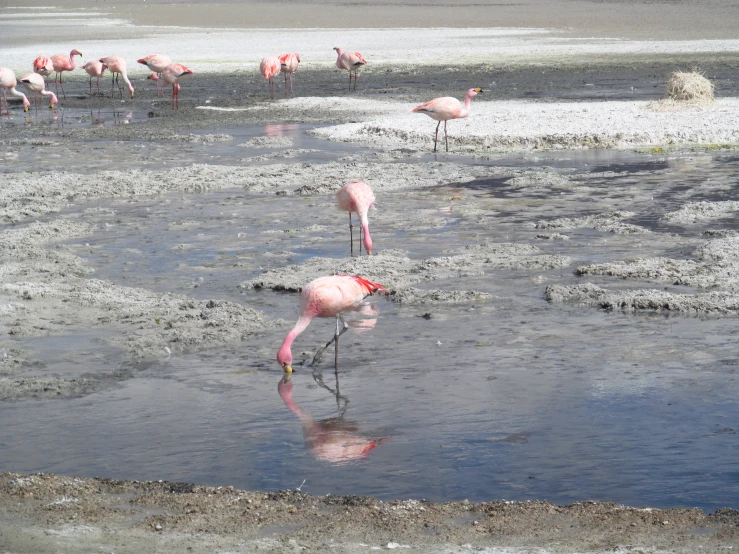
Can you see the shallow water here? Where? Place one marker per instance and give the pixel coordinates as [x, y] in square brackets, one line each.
[513, 398]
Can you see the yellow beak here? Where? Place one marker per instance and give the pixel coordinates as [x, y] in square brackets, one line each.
[25, 108]
[51, 106]
[288, 368]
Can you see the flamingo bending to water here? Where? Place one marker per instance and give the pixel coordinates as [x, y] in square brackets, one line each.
[288, 66]
[330, 296]
[94, 69]
[33, 82]
[350, 61]
[43, 66]
[61, 62]
[446, 108]
[357, 197]
[270, 67]
[117, 66]
[172, 75]
[8, 83]
[156, 63]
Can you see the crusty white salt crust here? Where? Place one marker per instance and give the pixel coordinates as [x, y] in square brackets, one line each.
[506, 125]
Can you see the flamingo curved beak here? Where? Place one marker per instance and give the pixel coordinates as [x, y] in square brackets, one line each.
[25, 108]
[288, 368]
[52, 106]
[478, 90]
[369, 252]
[79, 54]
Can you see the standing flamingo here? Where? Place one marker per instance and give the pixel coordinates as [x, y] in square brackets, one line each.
[33, 82]
[331, 440]
[43, 66]
[357, 197]
[156, 63]
[270, 67]
[60, 63]
[94, 69]
[350, 61]
[8, 83]
[117, 66]
[288, 66]
[329, 296]
[446, 108]
[172, 75]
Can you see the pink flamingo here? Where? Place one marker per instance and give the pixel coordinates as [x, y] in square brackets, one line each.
[329, 296]
[331, 440]
[156, 63]
[288, 66]
[33, 82]
[117, 66]
[8, 84]
[94, 69]
[60, 63]
[357, 197]
[350, 61]
[270, 67]
[172, 75]
[43, 66]
[446, 108]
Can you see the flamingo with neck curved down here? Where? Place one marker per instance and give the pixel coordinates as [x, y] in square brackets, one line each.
[330, 296]
[60, 63]
[446, 108]
[8, 83]
[156, 63]
[33, 82]
[43, 66]
[117, 66]
[172, 75]
[357, 197]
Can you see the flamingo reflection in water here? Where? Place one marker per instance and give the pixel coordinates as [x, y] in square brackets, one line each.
[334, 439]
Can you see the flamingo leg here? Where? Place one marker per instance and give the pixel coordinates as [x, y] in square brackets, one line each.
[335, 338]
[90, 85]
[173, 97]
[291, 84]
[61, 82]
[356, 76]
[5, 96]
[351, 235]
[350, 80]
[100, 93]
[436, 137]
[361, 235]
[446, 138]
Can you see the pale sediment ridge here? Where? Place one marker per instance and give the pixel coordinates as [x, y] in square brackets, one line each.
[523, 124]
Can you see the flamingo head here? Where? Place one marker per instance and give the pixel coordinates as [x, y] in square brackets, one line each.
[153, 77]
[338, 50]
[75, 52]
[54, 101]
[297, 56]
[474, 92]
[285, 358]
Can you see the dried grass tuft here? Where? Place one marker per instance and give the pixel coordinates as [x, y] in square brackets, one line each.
[684, 90]
[689, 86]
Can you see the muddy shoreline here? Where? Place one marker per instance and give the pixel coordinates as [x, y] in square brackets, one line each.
[65, 514]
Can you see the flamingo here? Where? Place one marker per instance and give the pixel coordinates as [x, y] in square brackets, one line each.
[156, 63]
[357, 197]
[350, 61]
[33, 82]
[446, 108]
[270, 67]
[94, 69]
[329, 296]
[330, 440]
[59, 63]
[117, 66]
[8, 83]
[288, 66]
[172, 75]
[43, 66]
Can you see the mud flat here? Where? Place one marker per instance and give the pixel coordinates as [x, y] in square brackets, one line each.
[42, 512]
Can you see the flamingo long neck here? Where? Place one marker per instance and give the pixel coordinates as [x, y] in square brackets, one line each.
[365, 230]
[53, 96]
[467, 106]
[12, 90]
[72, 61]
[285, 351]
[128, 83]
